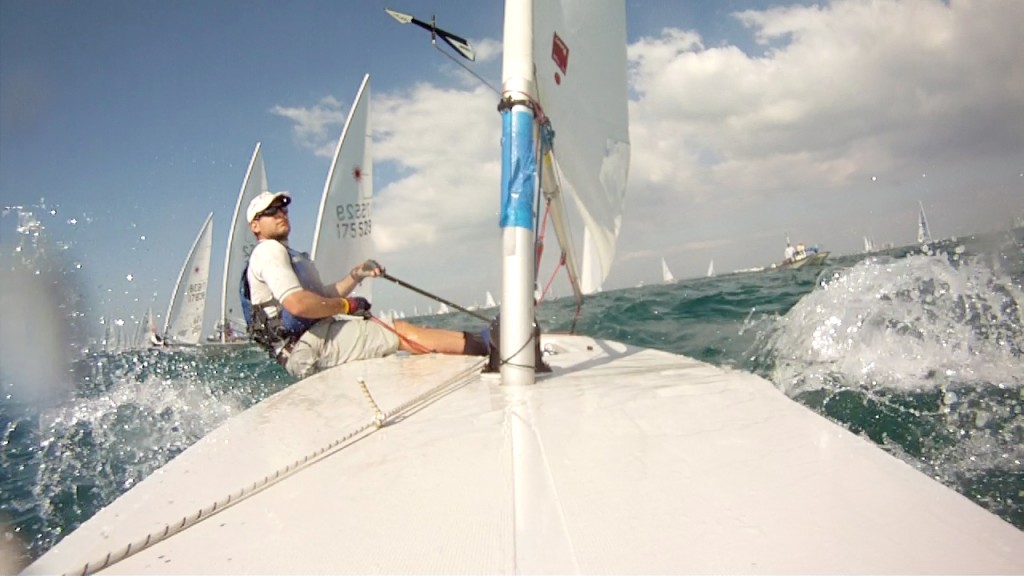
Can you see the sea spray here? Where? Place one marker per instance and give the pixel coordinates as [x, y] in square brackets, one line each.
[922, 354]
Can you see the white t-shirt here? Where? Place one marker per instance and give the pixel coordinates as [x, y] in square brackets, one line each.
[274, 273]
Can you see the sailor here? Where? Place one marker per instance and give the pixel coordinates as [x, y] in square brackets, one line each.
[788, 254]
[308, 326]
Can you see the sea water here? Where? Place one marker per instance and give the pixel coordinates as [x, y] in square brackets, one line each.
[917, 348]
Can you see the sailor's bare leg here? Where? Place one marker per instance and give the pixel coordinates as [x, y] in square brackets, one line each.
[421, 340]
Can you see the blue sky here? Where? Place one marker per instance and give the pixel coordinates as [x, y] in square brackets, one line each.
[125, 122]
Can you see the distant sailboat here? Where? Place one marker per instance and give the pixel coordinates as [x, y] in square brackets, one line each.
[232, 324]
[711, 268]
[869, 246]
[489, 300]
[184, 321]
[152, 336]
[924, 235]
[343, 236]
[666, 274]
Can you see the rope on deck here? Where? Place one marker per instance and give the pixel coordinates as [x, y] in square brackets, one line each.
[380, 419]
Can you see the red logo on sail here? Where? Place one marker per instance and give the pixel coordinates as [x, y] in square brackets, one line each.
[357, 174]
[560, 55]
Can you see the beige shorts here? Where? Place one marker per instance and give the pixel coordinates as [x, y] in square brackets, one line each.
[334, 341]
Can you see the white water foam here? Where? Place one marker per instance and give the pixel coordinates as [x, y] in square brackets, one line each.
[910, 324]
[139, 418]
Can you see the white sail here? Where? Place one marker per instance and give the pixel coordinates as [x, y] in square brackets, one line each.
[666, 274]
[591, 277]
[489, 300]
[580, 59]
[924, 235]
[184, 321]
[869, 246]
[240, 244]
[711, 268]
[343, 233]
[152, 336]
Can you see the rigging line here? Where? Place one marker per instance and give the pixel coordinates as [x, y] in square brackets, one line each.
[542, 224]
[466, 68]
[508, 361]
[576, 288]
[554, 274]
[422, 292]
[457, 381]
[575, 318]
[452, 384]
[412, 343]
[170, 529]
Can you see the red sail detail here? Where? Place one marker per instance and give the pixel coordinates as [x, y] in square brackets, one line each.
[560, 53]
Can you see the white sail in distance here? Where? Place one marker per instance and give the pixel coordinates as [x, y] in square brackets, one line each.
[666, 274]
[343, 233]
[924, 235]
[240, 244]
[184, 322]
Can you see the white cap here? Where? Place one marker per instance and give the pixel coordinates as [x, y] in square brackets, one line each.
[261, 202]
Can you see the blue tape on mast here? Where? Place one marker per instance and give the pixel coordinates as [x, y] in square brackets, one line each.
[518, 168]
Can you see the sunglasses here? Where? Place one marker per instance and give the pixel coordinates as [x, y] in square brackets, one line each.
[272, 211]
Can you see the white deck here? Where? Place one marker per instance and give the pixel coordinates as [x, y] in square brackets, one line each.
[624, 461]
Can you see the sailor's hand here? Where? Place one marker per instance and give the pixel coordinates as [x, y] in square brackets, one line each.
[368, 269]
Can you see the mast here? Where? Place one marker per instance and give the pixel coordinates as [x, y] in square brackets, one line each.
[518, 190]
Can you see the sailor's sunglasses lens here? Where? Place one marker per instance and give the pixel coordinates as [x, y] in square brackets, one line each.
[273, 211]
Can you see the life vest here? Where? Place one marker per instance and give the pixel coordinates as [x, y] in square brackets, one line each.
[285, 328]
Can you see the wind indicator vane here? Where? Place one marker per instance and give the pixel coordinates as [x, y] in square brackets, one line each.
[458, 43]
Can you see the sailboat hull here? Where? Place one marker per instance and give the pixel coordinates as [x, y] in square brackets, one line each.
[625, 460]
[816, 259]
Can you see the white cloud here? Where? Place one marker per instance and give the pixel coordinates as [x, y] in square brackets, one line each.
[487, 50]
[730, 149]
[447, 142]
[841, 93]
[314, 126]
